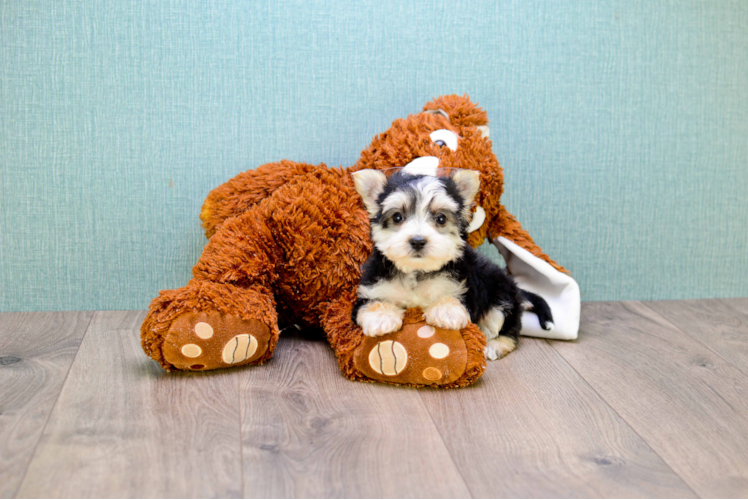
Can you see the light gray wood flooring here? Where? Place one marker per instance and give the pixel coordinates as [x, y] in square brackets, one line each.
[651, 401]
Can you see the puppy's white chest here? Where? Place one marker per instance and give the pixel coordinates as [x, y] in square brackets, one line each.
[409, 291]
[410, 283]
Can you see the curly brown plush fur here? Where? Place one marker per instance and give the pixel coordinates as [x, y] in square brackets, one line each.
[290, 238]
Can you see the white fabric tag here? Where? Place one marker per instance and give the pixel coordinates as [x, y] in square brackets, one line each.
[423, 165]
[559, 290]
[479, 218]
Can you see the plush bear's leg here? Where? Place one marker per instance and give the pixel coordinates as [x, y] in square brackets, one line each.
[248, 189]
[209, 325]
[417, 355]
[226, 315]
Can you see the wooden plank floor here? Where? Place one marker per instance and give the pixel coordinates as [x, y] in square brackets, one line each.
[651, 401]
[36, 351]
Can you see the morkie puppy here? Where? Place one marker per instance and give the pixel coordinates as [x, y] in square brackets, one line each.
[419, 226]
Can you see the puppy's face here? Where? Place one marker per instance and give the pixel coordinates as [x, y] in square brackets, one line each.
[419, 222]
[452, 132]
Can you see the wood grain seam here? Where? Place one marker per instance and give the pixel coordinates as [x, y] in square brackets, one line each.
[240, 401]
[698, 340]
[52, 408]
[444, 443]
[623, 420]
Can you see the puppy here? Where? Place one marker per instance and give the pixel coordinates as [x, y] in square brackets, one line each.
[421, 259]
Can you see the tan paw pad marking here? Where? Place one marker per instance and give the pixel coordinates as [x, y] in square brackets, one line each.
[432, 373]
[204, 330]
[388, 358]
[439, 351]
[191, 350]
[240, 348]
[426, 331]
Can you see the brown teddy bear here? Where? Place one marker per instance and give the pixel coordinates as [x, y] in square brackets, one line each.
[288, 240]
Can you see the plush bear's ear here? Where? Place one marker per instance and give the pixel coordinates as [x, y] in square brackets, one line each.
[440, 112]
[460, 110]
[370, 184]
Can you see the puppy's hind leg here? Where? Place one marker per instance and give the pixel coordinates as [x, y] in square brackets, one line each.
[500, 347]
[501, 332]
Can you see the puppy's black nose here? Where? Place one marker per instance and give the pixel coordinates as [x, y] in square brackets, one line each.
[418, 242]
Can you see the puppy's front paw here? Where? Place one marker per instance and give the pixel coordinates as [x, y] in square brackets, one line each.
[378, 324]
[448, 313]
[379, 318]
[500, 347]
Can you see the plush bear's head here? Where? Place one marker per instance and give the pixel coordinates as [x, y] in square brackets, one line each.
[451, 132]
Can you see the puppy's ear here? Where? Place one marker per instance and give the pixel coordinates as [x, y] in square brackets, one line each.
[468, 184]
[370, 184]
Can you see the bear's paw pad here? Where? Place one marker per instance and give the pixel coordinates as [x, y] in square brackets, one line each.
[210, 340]
[418, 354]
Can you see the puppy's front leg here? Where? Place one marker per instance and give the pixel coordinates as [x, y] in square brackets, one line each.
[379, 318]
[447, 313]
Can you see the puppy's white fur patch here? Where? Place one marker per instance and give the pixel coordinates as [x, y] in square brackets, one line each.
[491, 323]
[408, 291]
[447, 313]
[397, 201]
[380, 318]
[440, 202]
[433, 196]
[499, 347]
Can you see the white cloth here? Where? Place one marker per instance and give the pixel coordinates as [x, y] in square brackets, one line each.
[558, 289]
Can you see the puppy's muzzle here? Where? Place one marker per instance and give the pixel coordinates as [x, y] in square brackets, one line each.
[418, 242]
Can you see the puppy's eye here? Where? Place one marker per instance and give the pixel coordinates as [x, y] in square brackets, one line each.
[441, 219]
[397, 218]
[440, 143]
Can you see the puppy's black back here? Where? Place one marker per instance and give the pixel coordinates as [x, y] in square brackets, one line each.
[488, 287]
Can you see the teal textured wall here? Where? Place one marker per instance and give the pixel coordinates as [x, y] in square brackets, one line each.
[622, 128]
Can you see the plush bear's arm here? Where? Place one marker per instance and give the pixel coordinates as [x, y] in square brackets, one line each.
[246, 190]
[504, 224]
